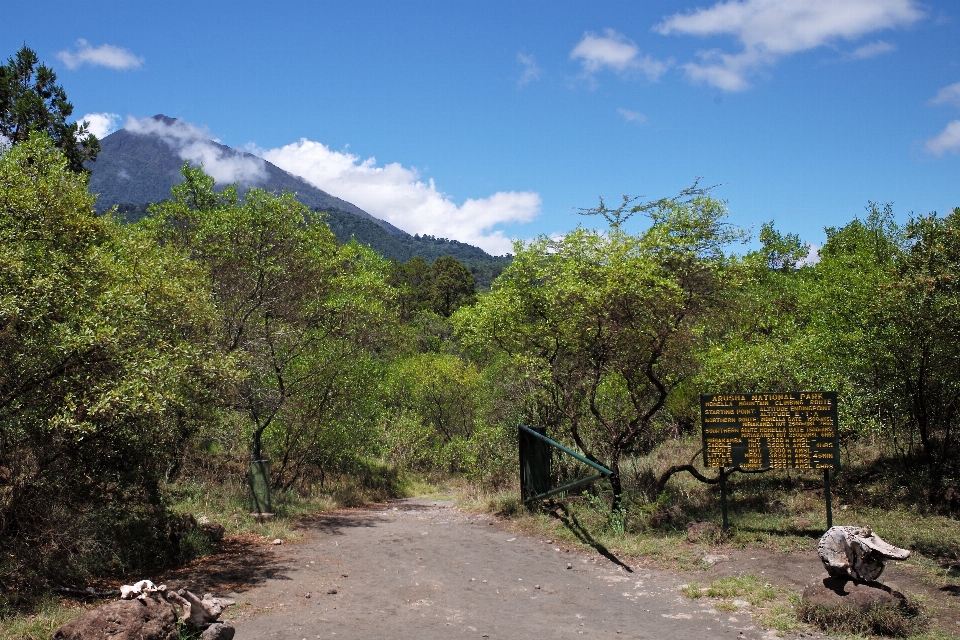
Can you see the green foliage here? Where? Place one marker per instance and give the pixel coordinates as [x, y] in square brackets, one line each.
[106, 368]
[875, 319]
[32, 101]
[405, 248]
[603, 326]
[433, 407]
[303, 316]
[441, 288]
[452, 286]
[918, 329]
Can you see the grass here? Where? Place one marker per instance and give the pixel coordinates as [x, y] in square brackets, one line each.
[49, 614]
[773, 607]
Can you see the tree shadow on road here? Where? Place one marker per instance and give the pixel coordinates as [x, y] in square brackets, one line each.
[238, 566]
[335, 524]
[570, 521]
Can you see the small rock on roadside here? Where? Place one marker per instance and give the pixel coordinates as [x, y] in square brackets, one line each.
[714, 558]
[218, 631]
[331, 592]
[214, 531]
[277, 541]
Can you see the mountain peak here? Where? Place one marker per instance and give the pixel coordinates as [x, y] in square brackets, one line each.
[140, 164]
[167, 120]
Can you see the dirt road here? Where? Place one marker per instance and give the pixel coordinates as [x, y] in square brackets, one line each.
[424, 569]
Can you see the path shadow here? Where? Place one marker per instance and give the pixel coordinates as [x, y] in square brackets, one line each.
[570, 521]
[336, 524]
[239, 565]
[806, 532]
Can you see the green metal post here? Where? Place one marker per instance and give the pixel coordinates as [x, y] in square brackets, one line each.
[259, 479]
[534, 463]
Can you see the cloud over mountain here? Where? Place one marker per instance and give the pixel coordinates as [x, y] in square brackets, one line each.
[399, 195]
[195, 145]
[102, 124]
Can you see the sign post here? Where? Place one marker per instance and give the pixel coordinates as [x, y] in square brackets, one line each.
[754, 431]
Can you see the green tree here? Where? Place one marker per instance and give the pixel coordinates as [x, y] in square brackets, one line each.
[441, 288]
[605, 324]
[412, 280]
[451, 286]
[107, 366]
[763, 336]
[302, 315]
[915, 334]
[31, 100]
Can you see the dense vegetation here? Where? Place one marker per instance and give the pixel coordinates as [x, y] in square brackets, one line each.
[400, 248]
[135, 356]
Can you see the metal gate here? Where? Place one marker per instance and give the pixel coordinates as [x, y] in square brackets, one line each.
[536, 450]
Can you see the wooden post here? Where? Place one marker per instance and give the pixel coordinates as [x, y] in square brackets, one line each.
[723, 496]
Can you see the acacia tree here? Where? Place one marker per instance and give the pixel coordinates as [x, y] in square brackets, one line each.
[31, 100]
[301, 315]
[605, 322]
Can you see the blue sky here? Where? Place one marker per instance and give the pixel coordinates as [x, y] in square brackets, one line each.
[485, 121]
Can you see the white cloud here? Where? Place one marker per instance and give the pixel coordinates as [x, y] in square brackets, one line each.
[194, 144]
[770, 29]
[531, 71]
[632, 116]
[398, 195]
[946, 140]
[872, 49]
[106, 55]
[102, 124]
[813, 255]
[950, 94]
[614, 51]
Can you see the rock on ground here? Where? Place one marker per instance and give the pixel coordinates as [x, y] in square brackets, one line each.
[218, 631]
[830, 591]
[148, 619]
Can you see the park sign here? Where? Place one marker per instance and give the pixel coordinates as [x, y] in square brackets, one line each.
[751, 431]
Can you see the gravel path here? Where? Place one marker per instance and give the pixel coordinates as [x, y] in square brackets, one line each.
[424, 569]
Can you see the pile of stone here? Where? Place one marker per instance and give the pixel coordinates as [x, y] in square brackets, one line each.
[146, 611]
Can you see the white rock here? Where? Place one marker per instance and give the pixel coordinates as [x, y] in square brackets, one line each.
[856, 552]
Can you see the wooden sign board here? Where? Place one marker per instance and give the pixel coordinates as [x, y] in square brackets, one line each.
[775, 430]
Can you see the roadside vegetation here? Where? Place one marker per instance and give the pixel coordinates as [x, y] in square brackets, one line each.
[142, 366]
